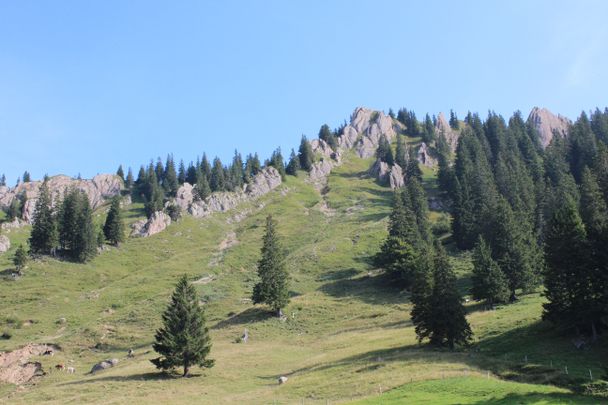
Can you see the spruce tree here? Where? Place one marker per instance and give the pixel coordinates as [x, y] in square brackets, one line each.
[191, 174]
[155, 202]
[181, 172]
[305, 154]
[67, 218]
[129, 181]
[489, 282]
[294, 164]
[202, 189]
[412, 169]
[26, 177]
[218, 176]
[183, 340]
[276, 161]
[401, 153]
[20, 258]
[114, 228]
[84, 244]
[428, 134]
[3, 180]
[328, 136]
[14, 209]
[443, 320]
[43, 237]
[120, 173]
[384, 152]
[273, 287]
[170, 183]
[205, 167]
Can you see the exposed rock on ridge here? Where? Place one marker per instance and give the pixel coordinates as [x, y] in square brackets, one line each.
[546, 124]
[97, 189]
[442, 127]
[158, 222]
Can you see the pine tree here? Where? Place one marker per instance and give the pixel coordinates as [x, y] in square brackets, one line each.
[443, 318]
[67, 218]
[14, 209]
[273, 287]
[454, 124]
[43, 237]
[489, 282]
[129, 182]
[428, 134]
[26, 177]
[384, 152]
[120, 173]
[401, 152]
[566, 275]
[181, 172]
[328, 136]
[205, 167]
[3, 180]
[191, 174]
[84, 244]
[218, 177]
[294, 164]
[170, 183]
[412, 169]
[305, 154]
[183, 340]
[155, 202]
[114, 228]
[20, 258]
[276, 161]
[159, 170]
[202, 188]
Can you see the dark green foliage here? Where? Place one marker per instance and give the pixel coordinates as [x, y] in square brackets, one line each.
[170, 183]
[129, 182]
[328, 136]
[454, 124]
[84, 243]
[567, 276]
[26, 177]
[67, 218]
[236, 173]
[273, 287]
[401, 152]
[202, 189]
[305, 154]
[489, 282]
[409, 120]
[181, 172]
[252, 167]
[183, 340]
[384, 152]
[428, 132]
[205, 167]
[43, 238]
[156, 200]
[20, 258]
[192, 174]
[3, 180]
[412, 169]
[294, 164]
[114, 228]
[438, 312]
[174, 212]
[120, 173]
[159, 170]
[15, 208]
[276, 161]
[218, 176]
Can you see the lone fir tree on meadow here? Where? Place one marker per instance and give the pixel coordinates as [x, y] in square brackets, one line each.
[20, 258]
[183, 340]
[273, 287]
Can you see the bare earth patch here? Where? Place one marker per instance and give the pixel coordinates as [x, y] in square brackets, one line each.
[15, 367]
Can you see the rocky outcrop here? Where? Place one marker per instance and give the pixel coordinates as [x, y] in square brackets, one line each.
[14, 224]
[364, 131]
[153, 225]
[425, 157]
[103, 365]
[390, 175]
[5, 244]
[268, 179]
[97, 189]
[320, 170]
[15, 367]
[442, 127]
[548, 124]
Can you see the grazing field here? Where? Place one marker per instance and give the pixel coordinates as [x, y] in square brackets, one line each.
[347, 335]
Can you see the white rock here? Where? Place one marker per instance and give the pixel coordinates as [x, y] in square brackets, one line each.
[5, 243]
[155, 224]
[546, 124]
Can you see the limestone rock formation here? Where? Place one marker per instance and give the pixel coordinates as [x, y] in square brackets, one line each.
[5, 243]
[319, 146]
[155, 224]
[265, 181]
[546, 124]
[320, 170]
[425, 157]
[442, 127]
[97, 189]
[390, 175]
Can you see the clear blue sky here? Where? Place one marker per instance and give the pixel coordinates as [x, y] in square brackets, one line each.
[86, 85]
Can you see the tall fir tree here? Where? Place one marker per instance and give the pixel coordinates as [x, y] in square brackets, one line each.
[202, 189]
[327, 135]
[294, 164]
[129, 182]
[120, 173]
[26, 177]
[114, 228]
[273, 287]
[488, 281]
[170, 183]
[20, 258]
[305, 154]
[384, 152]
[84, 244]
[183, 340]
[218, 176]
[43, 237]
[401, 152]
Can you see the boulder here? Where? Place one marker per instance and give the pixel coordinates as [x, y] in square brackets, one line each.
[5, 243]
[442, 128]
[396, 178]
[319, 146]
[380, 170]
[548, 124]
[348, 138]
[103, 365]
[320, 170]
[184, 196]
[424, 156]
[155, 224]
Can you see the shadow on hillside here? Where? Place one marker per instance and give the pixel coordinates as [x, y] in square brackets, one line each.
[150, 376]
[551, 398]
[249, 315]
[354, 175]
[380, 289]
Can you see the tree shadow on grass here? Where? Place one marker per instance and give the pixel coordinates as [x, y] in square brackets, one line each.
[553, 398]
[150, 376]
[380, 289]
[249, 315]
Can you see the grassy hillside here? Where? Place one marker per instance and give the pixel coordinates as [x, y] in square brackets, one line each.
[348, 335]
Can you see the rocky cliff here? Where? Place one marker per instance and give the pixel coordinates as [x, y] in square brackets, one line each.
[442, 127]
[547, 124]
[364, 131]
[97, 189]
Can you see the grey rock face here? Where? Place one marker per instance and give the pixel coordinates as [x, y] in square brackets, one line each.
[424, 156]
[104, 365]
[265, 181]
[155, 224]
[370, 125]
[391, 175]
[97, 190]
[546, 124]
[442, 127]
[396, 177]
[5, 243]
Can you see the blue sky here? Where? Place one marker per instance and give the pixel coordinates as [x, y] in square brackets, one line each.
[87, 85]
